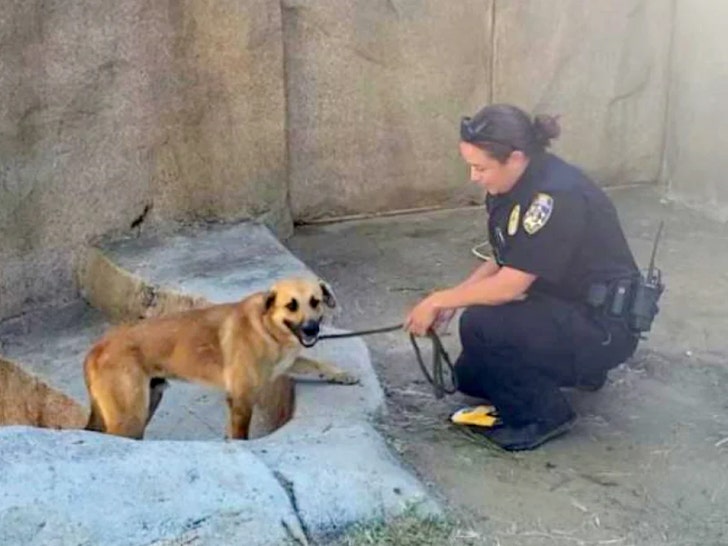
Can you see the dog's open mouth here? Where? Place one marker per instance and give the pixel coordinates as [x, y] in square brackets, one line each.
[306, 333]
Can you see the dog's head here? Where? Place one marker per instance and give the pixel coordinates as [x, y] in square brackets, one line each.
[296, 306]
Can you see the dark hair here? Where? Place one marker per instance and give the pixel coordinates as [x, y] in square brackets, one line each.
[499, 129]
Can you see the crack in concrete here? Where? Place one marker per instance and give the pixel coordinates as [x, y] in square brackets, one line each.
[287, 486]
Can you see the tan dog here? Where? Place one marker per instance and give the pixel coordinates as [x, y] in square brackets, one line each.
[237, 347]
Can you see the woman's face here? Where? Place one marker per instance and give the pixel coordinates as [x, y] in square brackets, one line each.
[490, 174]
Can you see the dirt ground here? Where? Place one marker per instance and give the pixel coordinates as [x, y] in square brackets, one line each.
[646, 464]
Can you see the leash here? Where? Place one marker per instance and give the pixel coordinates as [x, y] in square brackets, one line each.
[359, 333]
[439, 355]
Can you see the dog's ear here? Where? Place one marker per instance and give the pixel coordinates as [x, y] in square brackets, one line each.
[270, 299]
[328, 293]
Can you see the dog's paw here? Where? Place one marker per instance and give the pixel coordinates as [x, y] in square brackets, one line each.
[344, 379]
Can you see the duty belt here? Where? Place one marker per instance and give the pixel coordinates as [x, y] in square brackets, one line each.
[632, 299]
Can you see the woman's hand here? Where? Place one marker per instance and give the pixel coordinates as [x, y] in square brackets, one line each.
[421, 318]
[442, 322]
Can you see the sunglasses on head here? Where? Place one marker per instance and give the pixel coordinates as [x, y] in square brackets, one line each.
[472, 132]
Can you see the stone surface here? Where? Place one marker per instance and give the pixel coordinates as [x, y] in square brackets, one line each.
[341, 474]
[76, 487]
[602, 65]
[86, 488]
[695, 158]
[112, 109]
[218, 263]
[375, 90]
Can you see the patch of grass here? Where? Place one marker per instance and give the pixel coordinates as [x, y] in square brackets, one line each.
[404, 531]
[408, 529]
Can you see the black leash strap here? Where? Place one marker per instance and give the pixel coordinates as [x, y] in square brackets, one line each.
[437, 378]
[362, 332]
[439, 355]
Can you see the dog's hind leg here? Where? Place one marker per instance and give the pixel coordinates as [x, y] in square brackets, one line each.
[157, 386]
[90, 370]
[120, 395]
[95, 422]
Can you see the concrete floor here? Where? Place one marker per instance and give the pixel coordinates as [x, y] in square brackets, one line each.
[648, 460]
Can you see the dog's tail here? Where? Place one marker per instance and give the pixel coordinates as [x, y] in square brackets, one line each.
[95, 420]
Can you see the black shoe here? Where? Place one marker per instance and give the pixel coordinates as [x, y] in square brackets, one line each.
[592, 382]
[529, 436]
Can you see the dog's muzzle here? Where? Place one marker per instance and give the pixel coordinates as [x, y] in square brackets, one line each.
[307, 332]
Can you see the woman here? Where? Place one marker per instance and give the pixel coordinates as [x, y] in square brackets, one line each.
[550, 310]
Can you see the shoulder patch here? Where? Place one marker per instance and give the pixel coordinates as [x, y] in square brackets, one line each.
[538, 213]
[513, 220]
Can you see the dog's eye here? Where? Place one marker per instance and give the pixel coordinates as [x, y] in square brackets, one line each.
[314, 303]
[292, 305]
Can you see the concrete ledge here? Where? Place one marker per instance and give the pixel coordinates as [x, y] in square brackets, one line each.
[85, 488]
[76, 487]
[140, 277]
[341, 474]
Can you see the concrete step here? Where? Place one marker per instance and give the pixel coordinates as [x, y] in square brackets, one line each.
[140, 277]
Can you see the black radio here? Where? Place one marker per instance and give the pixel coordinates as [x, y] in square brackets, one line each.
[647, 292]
[633, 300]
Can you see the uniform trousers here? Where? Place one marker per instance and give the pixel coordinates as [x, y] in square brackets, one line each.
[519, 354]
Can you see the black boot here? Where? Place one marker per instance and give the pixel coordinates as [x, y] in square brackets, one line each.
[528, 436]
[592, 382]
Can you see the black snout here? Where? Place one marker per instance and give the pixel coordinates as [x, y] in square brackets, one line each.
[310, 328]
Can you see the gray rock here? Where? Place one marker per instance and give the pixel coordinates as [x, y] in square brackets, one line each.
[341, 474]
[85, 488]
[308, 480]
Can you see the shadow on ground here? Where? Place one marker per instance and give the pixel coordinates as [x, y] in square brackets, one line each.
[648, 461]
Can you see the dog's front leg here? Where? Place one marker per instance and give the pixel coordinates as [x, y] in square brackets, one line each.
[240, 412]
[324, 370]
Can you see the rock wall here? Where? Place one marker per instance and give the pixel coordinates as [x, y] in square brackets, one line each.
[143, 113]
[695, 157]
[601, 65]
[375, 91]
[118, 113]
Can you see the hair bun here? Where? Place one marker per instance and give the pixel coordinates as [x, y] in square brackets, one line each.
[547, 128]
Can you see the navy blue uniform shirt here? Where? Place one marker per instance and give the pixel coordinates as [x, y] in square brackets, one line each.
[560, 226]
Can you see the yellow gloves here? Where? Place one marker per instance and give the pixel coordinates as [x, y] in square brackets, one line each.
[481, 416]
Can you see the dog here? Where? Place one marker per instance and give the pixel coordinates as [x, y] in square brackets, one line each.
[239, 347]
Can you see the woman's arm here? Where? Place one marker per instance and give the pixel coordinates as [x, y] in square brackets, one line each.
[483, 271]
[506, 284]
